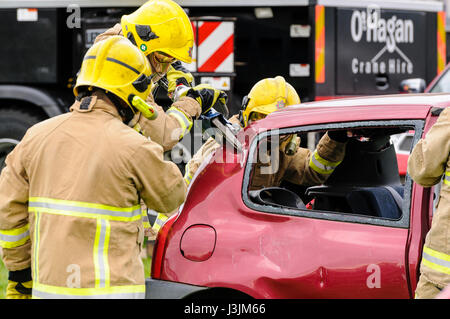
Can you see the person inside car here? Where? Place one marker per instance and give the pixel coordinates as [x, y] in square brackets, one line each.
[296, 164]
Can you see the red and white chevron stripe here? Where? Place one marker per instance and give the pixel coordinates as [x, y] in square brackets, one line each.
[214, 47]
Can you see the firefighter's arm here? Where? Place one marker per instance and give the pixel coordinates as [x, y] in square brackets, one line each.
[314, 168]
[171, 126]
[159, 182]
[429, 157]
[14, 225]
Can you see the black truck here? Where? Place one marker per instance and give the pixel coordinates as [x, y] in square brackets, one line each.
[324, 48]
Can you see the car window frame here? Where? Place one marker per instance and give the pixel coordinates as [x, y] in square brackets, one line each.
[403, 222]
[435, 84]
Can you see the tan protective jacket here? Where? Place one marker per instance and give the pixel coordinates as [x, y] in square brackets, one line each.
[169, 127]
[428, 164]
[69, 203]
[302, 168]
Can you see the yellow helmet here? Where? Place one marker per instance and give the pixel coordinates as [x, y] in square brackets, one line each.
[160, 25]
[266, 96]
[117, 66]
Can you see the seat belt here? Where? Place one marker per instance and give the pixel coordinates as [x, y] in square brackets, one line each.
[398, 199]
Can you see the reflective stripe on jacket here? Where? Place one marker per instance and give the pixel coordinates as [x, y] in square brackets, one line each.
[436, 260]
[14, 237]
[447, 178]
[159, 221]
[428, 165]
[302, 168]
[70, 199]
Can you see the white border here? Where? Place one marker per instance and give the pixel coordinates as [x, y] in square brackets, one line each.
[428, 6]
[137, 3]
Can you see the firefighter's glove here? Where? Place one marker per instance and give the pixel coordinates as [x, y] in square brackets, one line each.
[207, 97]
[19, 284]
[338, 136]
[178, 75]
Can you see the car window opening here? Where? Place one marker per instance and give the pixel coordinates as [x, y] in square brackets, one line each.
[369, 181]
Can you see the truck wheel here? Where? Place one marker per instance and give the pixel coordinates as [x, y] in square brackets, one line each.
[13, 125]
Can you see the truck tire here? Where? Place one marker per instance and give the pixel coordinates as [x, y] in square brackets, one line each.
[13, 126]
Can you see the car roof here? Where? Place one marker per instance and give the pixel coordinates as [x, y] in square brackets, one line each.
[381, 107]
[428, 99]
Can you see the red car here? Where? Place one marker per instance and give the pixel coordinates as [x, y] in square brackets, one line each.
[440, 84]
[359, 235]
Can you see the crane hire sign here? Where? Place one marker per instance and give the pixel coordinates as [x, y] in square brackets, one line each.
[389, 33]
[378, 48]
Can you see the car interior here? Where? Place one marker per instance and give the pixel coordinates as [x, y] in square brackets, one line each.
[367, 182]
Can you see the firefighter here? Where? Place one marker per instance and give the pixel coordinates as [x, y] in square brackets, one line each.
[300, 166]
[163, 32]
[428, 164]
[70, 217]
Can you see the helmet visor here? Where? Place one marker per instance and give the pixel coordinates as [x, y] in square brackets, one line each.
[162, 57]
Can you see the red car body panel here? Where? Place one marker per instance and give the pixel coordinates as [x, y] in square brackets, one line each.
[269, 255]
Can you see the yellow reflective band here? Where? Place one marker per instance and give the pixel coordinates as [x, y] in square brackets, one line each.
[37, 235]
[115, 292]
[321, 165]
[159, 222]
[15, 231]
[83, 209]
[184, 121]
[101, 244]
[187, 178]
[436, 260]
[147, 225]
[145, 220]
[162, 217]
[187, 175]
[447, 178]
[12, 238]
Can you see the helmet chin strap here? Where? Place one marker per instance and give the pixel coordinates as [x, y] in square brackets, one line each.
[124, 110]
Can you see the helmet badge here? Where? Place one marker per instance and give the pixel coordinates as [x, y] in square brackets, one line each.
[280, 104]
